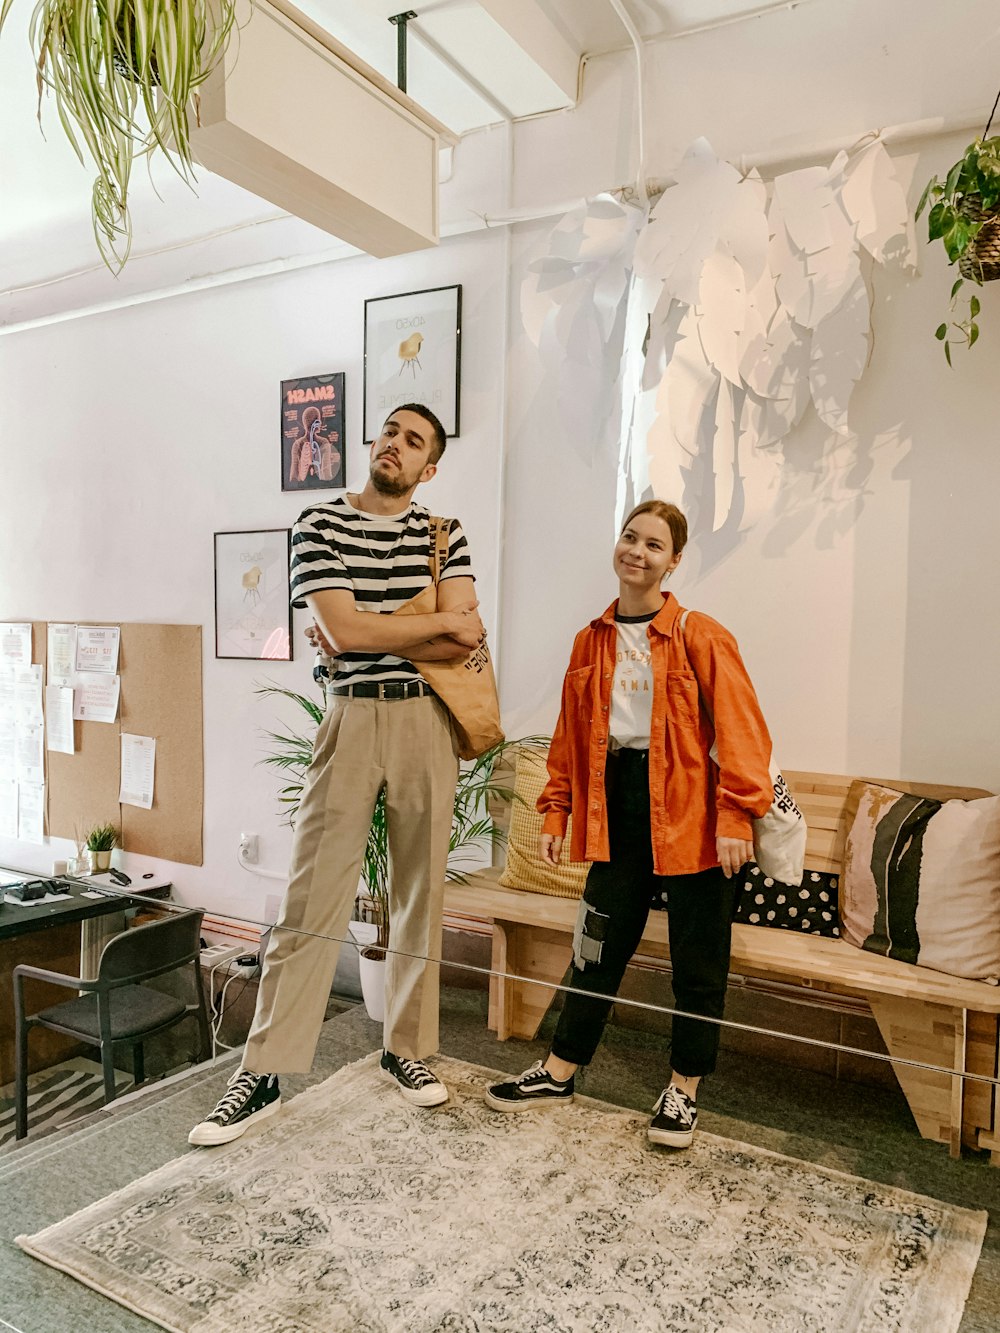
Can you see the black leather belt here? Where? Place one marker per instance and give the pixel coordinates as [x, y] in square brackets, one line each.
[389, 689]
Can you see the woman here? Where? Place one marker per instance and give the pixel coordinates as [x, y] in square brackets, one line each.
[660, 821]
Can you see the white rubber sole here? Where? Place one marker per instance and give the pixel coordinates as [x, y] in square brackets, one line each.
[435, 1094]
[209, 1135]
[668, 1138]
[527, 1104]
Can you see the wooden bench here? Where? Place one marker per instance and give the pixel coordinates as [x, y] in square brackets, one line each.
[923, 1015]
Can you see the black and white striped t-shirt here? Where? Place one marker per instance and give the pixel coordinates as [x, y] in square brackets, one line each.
[383, 561]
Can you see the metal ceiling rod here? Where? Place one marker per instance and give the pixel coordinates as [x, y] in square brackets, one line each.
[626, 19]
[401, 20]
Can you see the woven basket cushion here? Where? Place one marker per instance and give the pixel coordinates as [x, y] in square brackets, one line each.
[921, 881]
[523, 869]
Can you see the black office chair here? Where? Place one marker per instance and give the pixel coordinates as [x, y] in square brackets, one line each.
[116, 1008]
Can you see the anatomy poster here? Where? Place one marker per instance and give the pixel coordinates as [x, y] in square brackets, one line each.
[312, 433]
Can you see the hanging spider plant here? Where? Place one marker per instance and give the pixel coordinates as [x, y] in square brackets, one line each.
[125, 76]
[472, 827]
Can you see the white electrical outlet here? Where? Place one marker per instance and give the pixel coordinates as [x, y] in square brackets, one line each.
[250, 848]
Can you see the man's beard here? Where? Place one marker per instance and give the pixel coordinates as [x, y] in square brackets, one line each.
[388, 485]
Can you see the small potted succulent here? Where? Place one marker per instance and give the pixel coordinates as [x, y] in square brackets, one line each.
[965, 217]
[100, 842]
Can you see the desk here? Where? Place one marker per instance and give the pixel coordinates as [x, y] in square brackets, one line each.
[49, 935]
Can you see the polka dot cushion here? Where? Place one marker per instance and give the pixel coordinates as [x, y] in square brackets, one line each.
[812, 907]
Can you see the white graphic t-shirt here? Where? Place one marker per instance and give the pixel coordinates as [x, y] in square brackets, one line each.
[632, 695]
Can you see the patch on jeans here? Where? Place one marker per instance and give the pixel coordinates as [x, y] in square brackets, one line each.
[589, 934]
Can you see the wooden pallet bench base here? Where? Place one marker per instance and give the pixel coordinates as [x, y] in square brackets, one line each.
[923, 1016]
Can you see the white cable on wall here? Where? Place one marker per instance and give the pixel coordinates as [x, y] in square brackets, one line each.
[640, 182]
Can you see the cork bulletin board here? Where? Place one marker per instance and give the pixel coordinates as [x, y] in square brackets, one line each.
[161, 696]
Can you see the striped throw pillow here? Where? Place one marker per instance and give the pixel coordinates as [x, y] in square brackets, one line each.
[523, 869]
[921, 881]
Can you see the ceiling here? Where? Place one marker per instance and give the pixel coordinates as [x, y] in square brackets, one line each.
[45, 232]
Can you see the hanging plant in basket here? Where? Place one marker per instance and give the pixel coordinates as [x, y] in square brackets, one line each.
[965, 217]
[125, 76]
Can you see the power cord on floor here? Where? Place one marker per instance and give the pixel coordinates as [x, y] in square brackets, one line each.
[219, 1006]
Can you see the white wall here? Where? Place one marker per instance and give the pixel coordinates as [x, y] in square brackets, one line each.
[130, 438]
[863, 602]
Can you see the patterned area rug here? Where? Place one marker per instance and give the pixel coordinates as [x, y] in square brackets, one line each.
[57, 1096]
[352, 1212]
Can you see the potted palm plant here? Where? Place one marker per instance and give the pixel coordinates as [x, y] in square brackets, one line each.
[964, 216]
[125, 76]
[472, 827]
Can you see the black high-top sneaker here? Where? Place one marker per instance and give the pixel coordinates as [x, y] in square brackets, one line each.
[250, 1099]
[414, 1080]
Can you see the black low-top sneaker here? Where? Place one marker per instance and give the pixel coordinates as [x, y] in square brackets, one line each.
[535, 1087]
[414, 1080]
[675, 1119]
[251, 1098]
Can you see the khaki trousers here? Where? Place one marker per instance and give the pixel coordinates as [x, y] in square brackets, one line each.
[363, 745]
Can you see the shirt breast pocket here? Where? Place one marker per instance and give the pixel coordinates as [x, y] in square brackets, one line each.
[579, 691]
[682, 698]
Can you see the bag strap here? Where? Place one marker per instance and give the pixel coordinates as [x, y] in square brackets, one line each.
[440, 529]
[682, 623]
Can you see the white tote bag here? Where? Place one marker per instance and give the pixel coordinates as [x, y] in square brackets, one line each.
[779, 836]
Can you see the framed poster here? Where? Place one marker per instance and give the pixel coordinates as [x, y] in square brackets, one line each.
[413, 354]
[253, 614]
[312, 433]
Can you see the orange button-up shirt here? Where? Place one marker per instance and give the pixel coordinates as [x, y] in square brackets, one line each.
[697, 677]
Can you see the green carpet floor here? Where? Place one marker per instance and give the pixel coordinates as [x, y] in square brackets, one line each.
[867, 1132]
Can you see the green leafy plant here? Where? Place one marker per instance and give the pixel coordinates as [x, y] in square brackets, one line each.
[101, 838]
[472, 827]
[960, 206]
[125, 76]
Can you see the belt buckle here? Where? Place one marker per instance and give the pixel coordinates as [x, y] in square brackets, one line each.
[381, 689]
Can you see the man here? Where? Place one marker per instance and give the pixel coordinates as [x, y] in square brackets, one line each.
[352, 557]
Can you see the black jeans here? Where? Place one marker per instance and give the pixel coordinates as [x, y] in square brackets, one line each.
[613, 912]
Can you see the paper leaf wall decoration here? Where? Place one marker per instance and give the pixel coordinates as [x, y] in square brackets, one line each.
[736, 306]
[756, 306]
[572, 301]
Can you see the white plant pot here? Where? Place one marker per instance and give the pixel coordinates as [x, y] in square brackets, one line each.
[372, 973]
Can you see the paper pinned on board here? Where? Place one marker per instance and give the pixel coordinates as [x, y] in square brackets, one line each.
[28, 694]
[61, 654]
[8, 806]
[95, 698]
[15, 643]
[97, 648]
[138, 771]
[31, 812]
[29, 753]
[59, 719]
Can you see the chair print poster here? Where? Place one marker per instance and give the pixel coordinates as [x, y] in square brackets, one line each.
[253, 614]
[413, 355]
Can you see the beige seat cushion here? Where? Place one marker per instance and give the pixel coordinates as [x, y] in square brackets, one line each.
[921, 880]
[523, 869]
